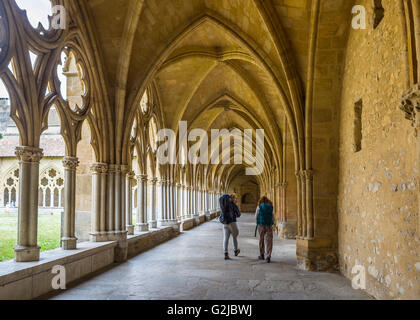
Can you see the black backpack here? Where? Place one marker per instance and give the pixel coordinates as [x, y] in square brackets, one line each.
[226, 207]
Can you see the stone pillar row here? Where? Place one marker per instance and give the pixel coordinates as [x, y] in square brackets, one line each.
[111, 204]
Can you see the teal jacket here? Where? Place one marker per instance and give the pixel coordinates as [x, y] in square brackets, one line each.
[265, 216]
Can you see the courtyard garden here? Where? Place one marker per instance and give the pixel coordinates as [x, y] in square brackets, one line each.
[49, 233]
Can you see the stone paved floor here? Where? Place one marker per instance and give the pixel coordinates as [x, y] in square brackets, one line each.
[191, 266]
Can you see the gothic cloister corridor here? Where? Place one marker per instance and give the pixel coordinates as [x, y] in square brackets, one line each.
[190, 267]
[125, 124]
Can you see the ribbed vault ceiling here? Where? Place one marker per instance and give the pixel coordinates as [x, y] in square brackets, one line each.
[214, 63]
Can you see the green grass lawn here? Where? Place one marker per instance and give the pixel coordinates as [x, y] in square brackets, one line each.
[48, 233]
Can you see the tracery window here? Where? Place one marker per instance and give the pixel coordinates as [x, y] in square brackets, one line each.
[36, 11]
[144, 103]
[153, 134]
[10, 188]
[51, 185]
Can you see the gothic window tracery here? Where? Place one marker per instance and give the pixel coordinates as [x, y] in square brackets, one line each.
[144, 103]
[37, 12]
[10, 188]
[153, 134]
[51, 185]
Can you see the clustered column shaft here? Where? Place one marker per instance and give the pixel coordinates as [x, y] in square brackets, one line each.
[153, 208]
[129, 203]
[27, 248]
[69, 240]
[142, 224]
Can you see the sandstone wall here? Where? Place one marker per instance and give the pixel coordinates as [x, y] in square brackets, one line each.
[377, 202]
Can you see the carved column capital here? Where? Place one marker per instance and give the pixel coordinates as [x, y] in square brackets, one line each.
[125, 169]
[154, 181]
[283, 185]
[308, 175]
[114, 168]
[131, 175]
[29, 154]
[142, 178]
[99, 168]
[70, 163]
[411, 104]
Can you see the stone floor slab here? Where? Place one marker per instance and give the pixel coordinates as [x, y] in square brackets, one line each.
[191, 266]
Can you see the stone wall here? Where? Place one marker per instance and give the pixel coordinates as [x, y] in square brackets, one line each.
[377, 203]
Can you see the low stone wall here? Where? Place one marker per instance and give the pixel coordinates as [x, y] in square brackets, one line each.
[187, 224]
[146, 241]
[202, 218]
[24, 281]
[30, 280]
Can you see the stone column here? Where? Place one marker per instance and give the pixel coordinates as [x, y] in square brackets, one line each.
[184, 202]
[308, 177]
[153, 207]
[69, 240]
[188, 196]
[118, 174]
[99, 183]
[196, 203]
[301, 222]
[129, 202]
[179, 200]
[110, 214]
[167, 202]
[125, 171]
[27, 248]
[287, 229]
[142, 224]
[215, 201]
[210, 201]
[162, 202]
[170, 201]
[174, 203]
[200, 201]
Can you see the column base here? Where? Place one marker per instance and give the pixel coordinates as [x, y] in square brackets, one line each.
[121, 250]
[167, 223]
[68, 243]
[27, 254]
[196, 219]
[208, 216]
[142, 227]
[130, 230]
[108, 236]
[317, 255]
[287, 230]
[177, 227]
[152, 224]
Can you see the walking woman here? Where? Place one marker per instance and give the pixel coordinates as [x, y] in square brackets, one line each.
[230, 212]
[265, 222]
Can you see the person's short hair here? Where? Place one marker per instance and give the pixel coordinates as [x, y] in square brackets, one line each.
[234, 196]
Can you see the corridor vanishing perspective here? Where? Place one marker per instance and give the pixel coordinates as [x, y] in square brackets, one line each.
[124, 121]
[198, 273]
